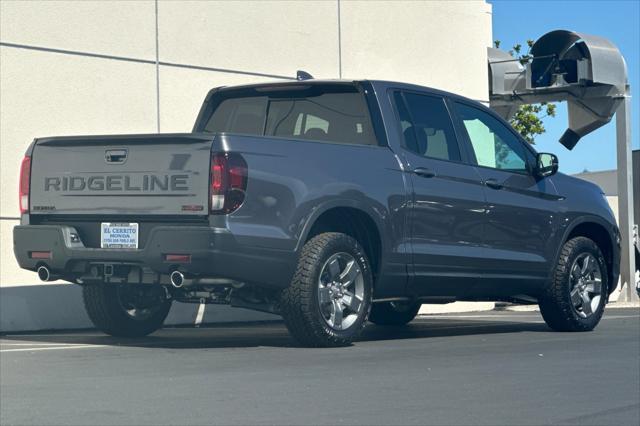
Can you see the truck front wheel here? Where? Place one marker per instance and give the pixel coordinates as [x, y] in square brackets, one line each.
[328, 300]
[577, 294]
[126, 310]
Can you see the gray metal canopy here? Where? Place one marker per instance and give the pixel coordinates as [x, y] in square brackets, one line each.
[590, 74]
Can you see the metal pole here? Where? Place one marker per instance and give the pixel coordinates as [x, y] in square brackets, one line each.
[157, 71]
[625, 200]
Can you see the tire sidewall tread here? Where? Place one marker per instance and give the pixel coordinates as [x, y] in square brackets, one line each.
[555, 304]
[105, 312]
[298, 302]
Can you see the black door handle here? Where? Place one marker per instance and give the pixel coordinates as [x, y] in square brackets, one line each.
[117, 156]
[494, 184]
[425, 173]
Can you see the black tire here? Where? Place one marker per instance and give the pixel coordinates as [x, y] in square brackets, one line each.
[104, 305]
[393, 313]
[556, 306]
[299, 303]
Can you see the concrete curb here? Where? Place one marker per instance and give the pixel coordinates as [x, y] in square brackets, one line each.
[534, 308]
[456, 307]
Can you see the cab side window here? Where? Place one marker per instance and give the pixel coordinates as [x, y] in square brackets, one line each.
[426, 126]
[494, 145]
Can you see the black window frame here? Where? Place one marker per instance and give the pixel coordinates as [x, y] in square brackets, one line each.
[469, 146]
[456, 134]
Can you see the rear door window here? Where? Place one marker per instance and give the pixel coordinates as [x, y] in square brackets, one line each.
[427, 129]
[338, 115]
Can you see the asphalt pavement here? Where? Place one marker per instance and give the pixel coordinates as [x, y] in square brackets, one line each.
[489, 368]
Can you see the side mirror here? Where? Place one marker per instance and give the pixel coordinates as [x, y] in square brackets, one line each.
[546, 164]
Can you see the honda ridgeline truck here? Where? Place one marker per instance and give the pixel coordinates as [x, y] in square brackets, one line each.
[329, 203]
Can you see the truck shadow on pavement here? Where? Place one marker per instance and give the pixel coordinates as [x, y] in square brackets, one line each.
[274, 334]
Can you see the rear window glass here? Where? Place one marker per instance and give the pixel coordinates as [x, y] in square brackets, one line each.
[338, 115]
[238, 115]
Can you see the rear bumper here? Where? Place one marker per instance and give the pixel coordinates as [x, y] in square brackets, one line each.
[214, 253]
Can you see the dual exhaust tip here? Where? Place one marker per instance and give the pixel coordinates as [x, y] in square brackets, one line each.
[177, 278]
[45, 274]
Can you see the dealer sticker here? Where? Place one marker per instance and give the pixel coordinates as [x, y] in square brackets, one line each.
[119, 235]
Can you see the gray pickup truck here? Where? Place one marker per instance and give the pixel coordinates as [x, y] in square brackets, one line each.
[327, 202]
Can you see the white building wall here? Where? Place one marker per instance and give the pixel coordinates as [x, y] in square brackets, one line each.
[72, 68]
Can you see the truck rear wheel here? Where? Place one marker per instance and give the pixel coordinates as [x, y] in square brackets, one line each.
[577, 294]
[328, 300]
[126, 310]
[393, 313]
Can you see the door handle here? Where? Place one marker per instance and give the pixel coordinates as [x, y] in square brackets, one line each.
[115, 156]
[425, 173]
[493, 184]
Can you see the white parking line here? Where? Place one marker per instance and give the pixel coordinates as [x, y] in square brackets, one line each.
[49, 346]
[52, 348]
[200, 315]
[40, 344]
[57, 335]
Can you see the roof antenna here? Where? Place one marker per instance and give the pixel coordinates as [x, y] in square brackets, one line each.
[303, 75]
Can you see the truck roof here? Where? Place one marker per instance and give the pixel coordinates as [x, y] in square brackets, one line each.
[378, 85]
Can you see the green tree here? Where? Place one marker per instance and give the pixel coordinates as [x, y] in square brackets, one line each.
[528, 118]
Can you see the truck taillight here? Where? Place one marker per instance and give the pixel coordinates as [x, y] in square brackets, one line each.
[23, 191]
[228, 179]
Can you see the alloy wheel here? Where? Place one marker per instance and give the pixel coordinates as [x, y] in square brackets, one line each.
[341, 291]
[586, 284]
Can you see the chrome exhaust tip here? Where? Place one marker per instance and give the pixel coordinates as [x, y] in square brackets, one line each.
[177, 279]
[44, 274]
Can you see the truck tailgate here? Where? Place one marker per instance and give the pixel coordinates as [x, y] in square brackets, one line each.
[159, 174]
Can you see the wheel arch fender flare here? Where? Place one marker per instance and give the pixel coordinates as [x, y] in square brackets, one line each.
[327, 205]
[612, 232]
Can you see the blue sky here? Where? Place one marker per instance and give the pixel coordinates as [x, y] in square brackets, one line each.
[515, 21]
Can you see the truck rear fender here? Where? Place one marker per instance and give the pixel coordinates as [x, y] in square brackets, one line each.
[377, 236]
